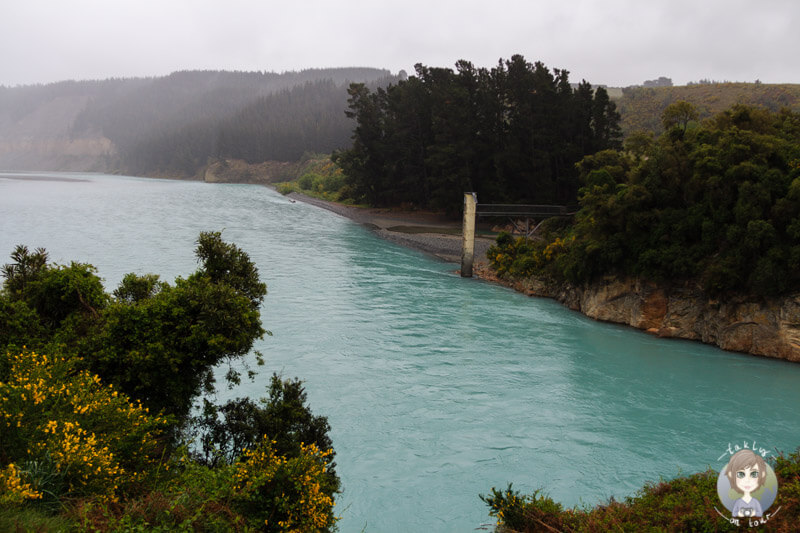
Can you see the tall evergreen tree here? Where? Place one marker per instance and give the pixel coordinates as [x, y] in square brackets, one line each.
[512, 133]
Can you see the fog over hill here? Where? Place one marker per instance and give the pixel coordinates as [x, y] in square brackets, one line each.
[176, 125]
[173, 124]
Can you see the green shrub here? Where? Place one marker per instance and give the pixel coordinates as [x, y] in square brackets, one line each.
[283, 417]
[523, 257]
[156, 342]
[715, 204]
[34, 519]
[72, 443]
[306, 181]
[284, 188]
[280, 493]
[516, 512]
[66, 434]
[682, 504]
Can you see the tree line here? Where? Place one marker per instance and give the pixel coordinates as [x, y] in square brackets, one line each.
[512, 133]
[175, 124]
[715, 203]
[179, 123]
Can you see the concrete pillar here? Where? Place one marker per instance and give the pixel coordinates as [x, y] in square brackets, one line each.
[468, 234]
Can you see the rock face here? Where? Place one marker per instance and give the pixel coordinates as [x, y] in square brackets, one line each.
[64, 154]
[237, 171]
[44, 137]
[759, 326]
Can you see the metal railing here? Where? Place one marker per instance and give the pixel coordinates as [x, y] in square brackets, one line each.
[521, 210]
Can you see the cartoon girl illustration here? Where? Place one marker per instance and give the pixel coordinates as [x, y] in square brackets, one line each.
[746, 472]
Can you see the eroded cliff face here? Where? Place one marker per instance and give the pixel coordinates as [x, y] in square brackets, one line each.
[62, 154]
[44, 137]
[237, 171]
[759, 326]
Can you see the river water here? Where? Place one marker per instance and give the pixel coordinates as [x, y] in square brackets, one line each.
[437, 388]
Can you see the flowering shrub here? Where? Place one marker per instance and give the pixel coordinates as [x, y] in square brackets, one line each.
[555, 248]
[64, 433]
[523, 257]
[262, 491]
[284, 493]
[13, 489]
[516, 512]
[155, 342]
[74, 444]
[505, 252]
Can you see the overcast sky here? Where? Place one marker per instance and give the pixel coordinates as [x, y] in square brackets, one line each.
[612, 42]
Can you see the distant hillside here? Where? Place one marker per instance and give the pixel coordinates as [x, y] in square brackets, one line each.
[173, 124]
[641, 107]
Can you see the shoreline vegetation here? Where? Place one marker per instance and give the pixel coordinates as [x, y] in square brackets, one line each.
[761, 325]
[98, 426]
[686, 503]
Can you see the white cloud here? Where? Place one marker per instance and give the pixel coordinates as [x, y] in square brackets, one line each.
[617, 42]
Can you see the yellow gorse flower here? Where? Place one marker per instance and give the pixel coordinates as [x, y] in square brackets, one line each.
[52, 411]
[309, 509]
[13, 489]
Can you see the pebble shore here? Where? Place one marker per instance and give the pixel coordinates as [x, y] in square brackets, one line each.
[429, 233]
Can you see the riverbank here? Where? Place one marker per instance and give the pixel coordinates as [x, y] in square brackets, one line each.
[767, 327]
[431, 233]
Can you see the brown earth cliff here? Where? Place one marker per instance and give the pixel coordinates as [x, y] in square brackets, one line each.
[761, 326]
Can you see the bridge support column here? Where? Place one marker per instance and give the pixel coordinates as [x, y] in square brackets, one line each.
[468, 234]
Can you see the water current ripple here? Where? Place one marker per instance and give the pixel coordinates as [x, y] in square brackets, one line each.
[436, 388]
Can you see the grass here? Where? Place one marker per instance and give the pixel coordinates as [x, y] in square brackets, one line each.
[30, 519]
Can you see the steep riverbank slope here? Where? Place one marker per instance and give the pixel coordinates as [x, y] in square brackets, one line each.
[760, 326]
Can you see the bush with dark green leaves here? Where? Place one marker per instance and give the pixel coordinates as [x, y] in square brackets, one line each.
[157, 342]
[101, 460]
[225, 431]
[511, 133]
[683, 504]
[716, 204]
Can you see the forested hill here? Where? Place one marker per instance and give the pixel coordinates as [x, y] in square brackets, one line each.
[641, 107]
[174, 124]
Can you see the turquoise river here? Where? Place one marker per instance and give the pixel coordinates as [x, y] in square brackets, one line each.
[437, 388]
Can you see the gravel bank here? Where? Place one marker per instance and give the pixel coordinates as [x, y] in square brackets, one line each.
[426, 232]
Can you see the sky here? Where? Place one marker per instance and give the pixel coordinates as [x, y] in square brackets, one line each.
[610, 42]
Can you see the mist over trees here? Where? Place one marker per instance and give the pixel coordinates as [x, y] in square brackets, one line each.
[175, 124]
[662, 81]
[280, 126]
[241, 120]
[512, 133]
